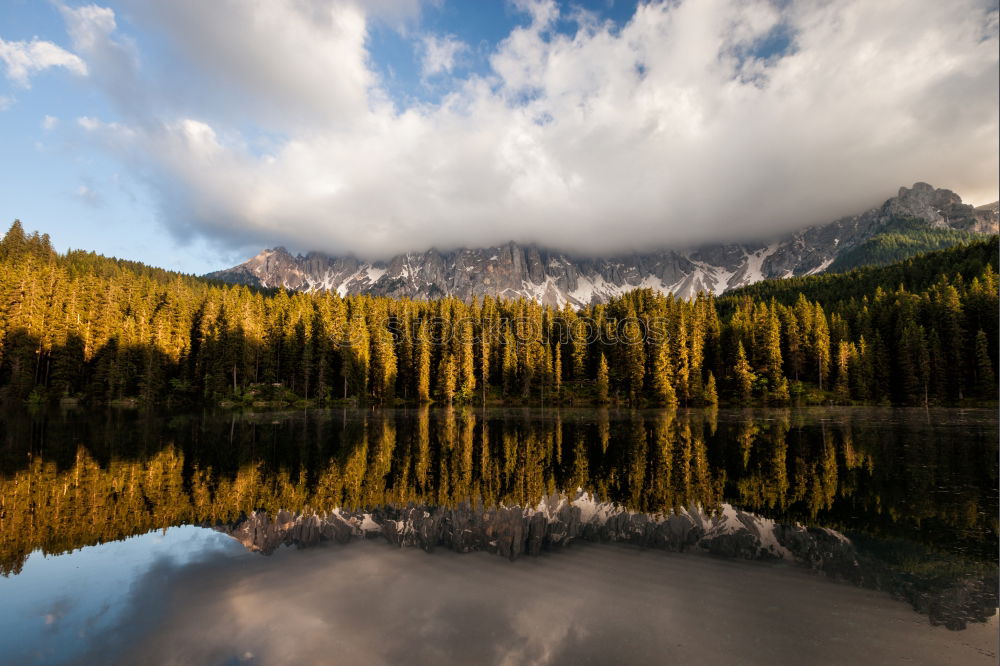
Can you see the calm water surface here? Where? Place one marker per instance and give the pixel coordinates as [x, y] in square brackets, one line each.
[500, 536]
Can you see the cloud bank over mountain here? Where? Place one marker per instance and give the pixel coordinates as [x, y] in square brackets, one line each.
[268, 123]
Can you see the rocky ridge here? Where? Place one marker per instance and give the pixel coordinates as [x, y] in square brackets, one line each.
[557, 278]
[556, 522]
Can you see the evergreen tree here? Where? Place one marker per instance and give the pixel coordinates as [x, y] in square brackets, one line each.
[842, 387]
[779, 395]
[635, 359]
[509, 364]
[447, 378]
[355, 355]
[914, 364]
[423, 370]
[579, 342]
[663, 380]
[711, 395]
[383, 367]
[743, 376]
[14, 243]
[557, 369]
[862, 371]
[772, 349]
[485, 349]
[821, 344]
[602, 380]
[986, 383]
[467, 360]
[682, 359]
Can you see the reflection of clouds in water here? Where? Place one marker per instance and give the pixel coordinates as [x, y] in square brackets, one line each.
[55, 612]
[368, 603]
[361, 604]
[60, 605]
[93, 622]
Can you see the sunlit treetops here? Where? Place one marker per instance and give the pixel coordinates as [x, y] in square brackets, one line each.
[80, 326]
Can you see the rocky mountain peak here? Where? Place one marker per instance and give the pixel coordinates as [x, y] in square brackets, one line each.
[556, 278]
[938, 206]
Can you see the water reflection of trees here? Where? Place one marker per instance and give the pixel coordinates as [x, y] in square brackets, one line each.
[894, 478]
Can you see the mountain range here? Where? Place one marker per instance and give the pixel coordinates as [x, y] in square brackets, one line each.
[917, 219]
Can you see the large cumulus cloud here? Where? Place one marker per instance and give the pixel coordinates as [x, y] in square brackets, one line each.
[267, 123]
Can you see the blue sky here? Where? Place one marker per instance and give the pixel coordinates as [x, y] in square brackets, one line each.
[190, 135]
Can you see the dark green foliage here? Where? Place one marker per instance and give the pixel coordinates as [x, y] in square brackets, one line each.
[901, 240]
[914, 274]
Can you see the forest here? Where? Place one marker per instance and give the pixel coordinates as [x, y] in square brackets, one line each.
[82, 328]
[901, 238]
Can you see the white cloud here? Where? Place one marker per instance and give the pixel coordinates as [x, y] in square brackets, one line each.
[6, 102]
[289, 65]
[88, 196]
[88, 123]
[543, 12]
[438, 54]
[677, 128]
[24, 59]
[49, 122]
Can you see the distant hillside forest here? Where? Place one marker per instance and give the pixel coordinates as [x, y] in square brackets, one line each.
[81, 327]
[899, 240]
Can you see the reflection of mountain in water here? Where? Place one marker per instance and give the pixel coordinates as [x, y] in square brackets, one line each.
[915, 493]
[557, 521]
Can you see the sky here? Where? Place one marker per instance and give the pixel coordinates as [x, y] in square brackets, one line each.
[191, 134]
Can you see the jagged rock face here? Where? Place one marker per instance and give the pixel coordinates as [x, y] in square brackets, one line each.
[987, 219]
[557, 521]
[555, 278]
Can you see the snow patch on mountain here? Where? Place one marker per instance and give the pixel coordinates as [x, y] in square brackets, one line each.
[557, 279]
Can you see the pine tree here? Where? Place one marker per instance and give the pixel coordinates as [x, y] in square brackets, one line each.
[882, 368]
[447, 378]
[862, 371]
[779, 395]
[355, 354]
[663, 379]
[405, 354]
[939, 367]
[14, 243]
[914, 364]
[383, 366]
[842, 387]
[682, 360]
[743, 375]
[578, 331]
[635, 359]
[772, 349]
[602, 380]
[485, 349]
[509, 364]
[821, 344]
[423, 369]
[557, 369]
[711, 395]
[467, 360]
[986, 384]
[952, 330]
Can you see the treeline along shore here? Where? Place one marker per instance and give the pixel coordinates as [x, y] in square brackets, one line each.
[79, 327]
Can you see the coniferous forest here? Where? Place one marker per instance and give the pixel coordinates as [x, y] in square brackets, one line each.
[81, 327]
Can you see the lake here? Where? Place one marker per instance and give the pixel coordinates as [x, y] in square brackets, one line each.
[427, 535]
